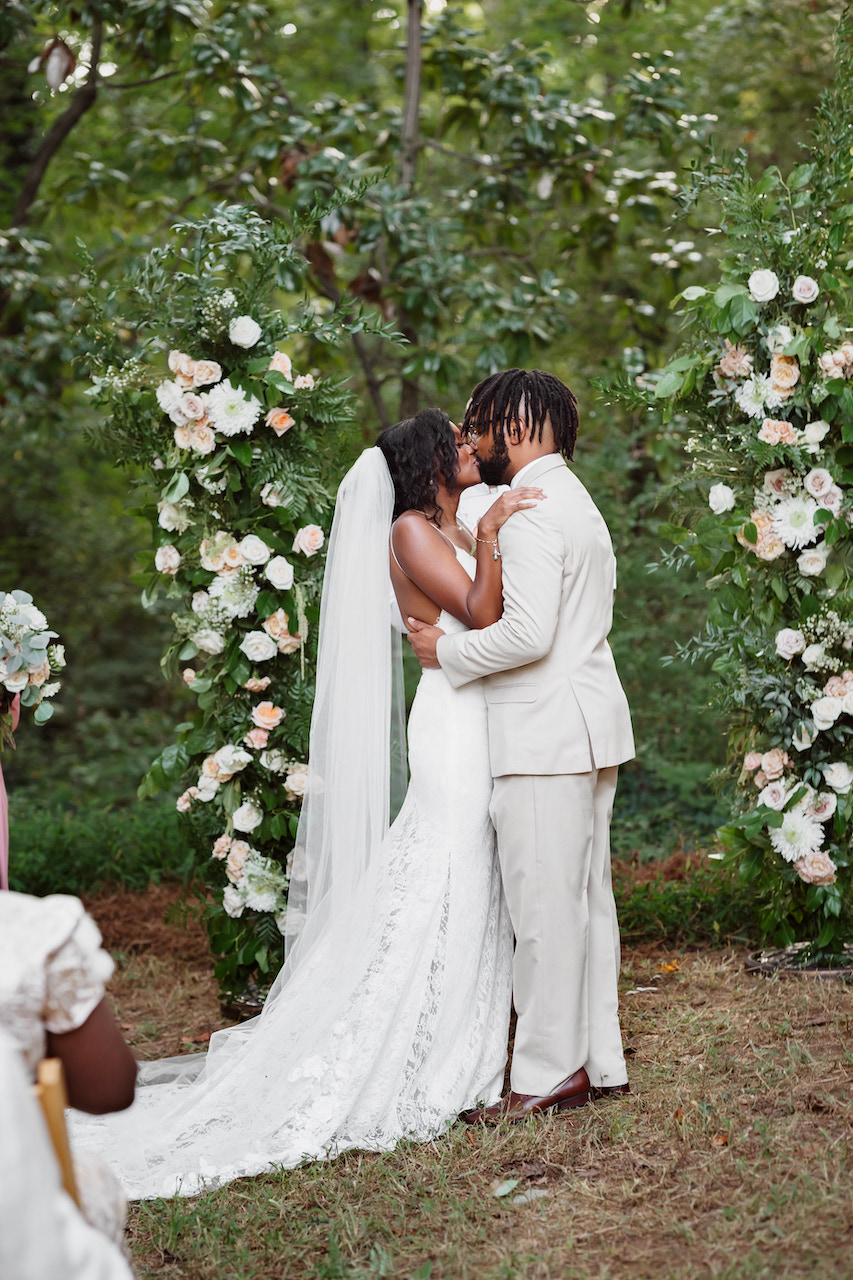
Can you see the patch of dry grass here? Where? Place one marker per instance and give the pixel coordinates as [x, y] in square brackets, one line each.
[730, 1159]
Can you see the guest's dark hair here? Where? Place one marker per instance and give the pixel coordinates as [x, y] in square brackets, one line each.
[419, 451]
[505, 397]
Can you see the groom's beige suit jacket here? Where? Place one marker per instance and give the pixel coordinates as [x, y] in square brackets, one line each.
[555, 702]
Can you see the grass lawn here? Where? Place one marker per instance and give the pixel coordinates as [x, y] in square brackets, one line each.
[730, 1158]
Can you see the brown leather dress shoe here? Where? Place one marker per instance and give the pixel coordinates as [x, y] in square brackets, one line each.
[571, 1092]
[609, 1090]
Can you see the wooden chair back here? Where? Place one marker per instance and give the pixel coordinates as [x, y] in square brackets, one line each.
[51, 1096]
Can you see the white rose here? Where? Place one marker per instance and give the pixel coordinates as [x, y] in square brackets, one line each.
[258, 646]
[847, 703]
[814, 656]
[721, 498]
[272, 495]
[805, 289]
[789, 643]
[814, 432]
[825, 712]
[231, 759]
[778, 339]
[244, 331]
[248, 816]
[209, 641]
[274, 760]
[167, 559]
[832, 499]
[818, 482]
[773, 795]
[174, 517]
[207, 787]
[169, 396]
[254, 549]
[839, 776]
[811, 563]
[200, 601]
[17, 681]
[763, 285]
[233, 901]
[280, 573]
[803, 739]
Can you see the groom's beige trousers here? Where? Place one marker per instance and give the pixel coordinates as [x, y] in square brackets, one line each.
[554, 847]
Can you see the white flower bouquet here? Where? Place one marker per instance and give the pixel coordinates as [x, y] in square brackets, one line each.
[27, 660]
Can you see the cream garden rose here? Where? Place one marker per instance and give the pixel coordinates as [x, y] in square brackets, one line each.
[763, 285]
[258, 646]
[309, 539]
[167, 560]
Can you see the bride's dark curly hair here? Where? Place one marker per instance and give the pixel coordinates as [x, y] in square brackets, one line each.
[419, 451]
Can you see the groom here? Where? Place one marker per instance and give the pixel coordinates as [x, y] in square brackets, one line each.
[559, 726]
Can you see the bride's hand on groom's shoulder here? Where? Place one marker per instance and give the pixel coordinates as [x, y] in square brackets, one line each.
[507, 504]
[424, 639]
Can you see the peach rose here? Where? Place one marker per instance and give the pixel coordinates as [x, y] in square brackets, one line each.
[816, 868]
[205, 372]
[167, 559]
[266, 715]
[760, 779]
[784, 372]
[773, 763]
[183, 367]
[257, 738]
[296, 782]
[188, 675]
[736, 362]
[280, 420]
[281, 363]
[835, 687]
[184, 436]
[203, 439]
[221, 847]
[39, 674]
[257, 684]
[777, 431]
[235, 863]
[309, 539]
[183, 804]
[234, 558]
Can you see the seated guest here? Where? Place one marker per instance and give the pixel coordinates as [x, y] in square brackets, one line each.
[43, 1235]
[52, 975]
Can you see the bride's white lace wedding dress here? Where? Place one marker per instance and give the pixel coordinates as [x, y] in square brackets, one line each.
[392, 1041]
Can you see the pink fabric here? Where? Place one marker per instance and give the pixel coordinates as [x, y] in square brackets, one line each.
[4, 807]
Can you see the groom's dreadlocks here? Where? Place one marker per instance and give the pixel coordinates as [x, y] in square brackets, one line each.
[505, 398]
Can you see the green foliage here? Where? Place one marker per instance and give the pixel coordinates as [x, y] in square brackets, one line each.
[57, 850]
[710, 905]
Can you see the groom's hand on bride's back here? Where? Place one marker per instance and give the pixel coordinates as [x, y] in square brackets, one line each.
[423, 639]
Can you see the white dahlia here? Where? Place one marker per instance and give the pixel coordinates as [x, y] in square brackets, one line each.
[231, 410]
[799, 834]
[793, 521]
[753, 394]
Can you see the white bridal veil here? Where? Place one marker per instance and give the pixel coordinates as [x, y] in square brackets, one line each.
[356, 756]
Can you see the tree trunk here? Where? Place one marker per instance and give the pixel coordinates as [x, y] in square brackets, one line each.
[409, 147]
[81, 102]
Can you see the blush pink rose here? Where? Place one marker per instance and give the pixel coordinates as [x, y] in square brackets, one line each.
[257, 738]
[773, 763]
[221, 847]
[752, 761]
[257, 684]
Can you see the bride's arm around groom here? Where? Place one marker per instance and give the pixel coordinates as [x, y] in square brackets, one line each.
[559, 726]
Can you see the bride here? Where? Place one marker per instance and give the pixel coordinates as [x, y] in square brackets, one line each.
[391, 1013]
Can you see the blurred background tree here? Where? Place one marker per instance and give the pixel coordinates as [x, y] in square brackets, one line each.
[523, 213]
